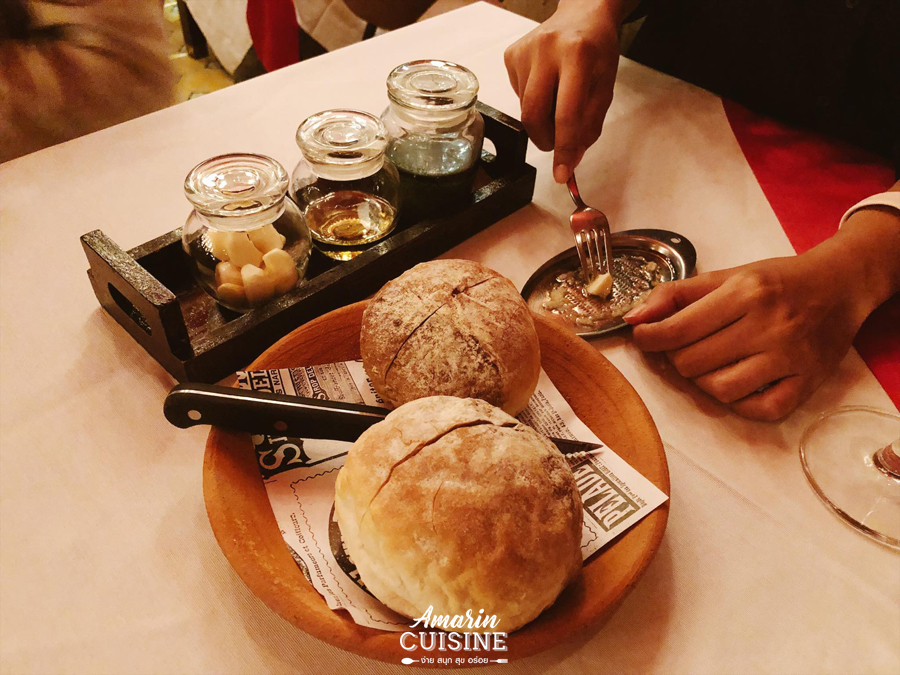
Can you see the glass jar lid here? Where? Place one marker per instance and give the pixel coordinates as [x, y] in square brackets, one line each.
[343, 144]
[238, 191]
[438, 90]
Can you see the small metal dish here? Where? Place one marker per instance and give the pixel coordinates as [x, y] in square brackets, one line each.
[674, 254]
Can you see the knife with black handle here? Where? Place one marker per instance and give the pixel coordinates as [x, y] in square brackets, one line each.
[256, 412]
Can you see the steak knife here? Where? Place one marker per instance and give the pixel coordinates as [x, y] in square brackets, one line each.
[256, 412]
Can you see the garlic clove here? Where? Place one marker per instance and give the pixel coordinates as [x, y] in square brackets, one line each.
[258, 285]
[232, 294]
[266, 238]
[228, 273]
[282, 269]
[600, 285]
[241, 250]
[217, 241]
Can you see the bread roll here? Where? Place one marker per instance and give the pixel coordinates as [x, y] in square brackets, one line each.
[452, 503]
[455, 328]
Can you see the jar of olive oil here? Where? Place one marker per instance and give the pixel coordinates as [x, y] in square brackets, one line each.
[346, 186]
[247, 242]
[435, 135]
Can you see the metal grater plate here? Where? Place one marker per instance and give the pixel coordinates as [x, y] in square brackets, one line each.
[642, 259]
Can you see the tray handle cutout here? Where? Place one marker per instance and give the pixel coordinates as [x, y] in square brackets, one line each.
[135, 298]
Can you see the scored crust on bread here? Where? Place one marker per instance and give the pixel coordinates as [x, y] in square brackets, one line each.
[453, 504]
[451, 327]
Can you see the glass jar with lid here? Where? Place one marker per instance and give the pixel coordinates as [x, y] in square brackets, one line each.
[247, 242]
[435, 135]
[346, 186]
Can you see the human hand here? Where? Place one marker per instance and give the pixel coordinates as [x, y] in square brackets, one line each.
[563, 73]
[760, 338]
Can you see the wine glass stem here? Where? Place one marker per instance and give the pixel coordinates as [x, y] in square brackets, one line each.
[887, 461]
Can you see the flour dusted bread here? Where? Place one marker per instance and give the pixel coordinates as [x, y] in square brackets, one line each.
[451, 503]
[455, 328]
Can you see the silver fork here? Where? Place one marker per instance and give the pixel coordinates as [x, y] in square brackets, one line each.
[591, 230]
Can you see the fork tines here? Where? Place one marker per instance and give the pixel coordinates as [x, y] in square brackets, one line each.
[593, 262]
[588, 268]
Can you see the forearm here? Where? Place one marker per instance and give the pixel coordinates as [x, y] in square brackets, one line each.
[864, 256]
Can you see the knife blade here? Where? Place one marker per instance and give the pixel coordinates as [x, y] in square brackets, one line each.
[257, 412]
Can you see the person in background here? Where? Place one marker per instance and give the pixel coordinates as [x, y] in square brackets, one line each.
[759, 337]
[70, 67]
[390, 15]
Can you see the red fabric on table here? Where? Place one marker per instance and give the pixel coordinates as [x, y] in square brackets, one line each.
[274, 31]
[810, 182]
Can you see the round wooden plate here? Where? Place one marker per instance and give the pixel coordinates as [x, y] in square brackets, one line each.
[245, 527]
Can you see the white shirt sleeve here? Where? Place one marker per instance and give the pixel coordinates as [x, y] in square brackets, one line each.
[890, 200]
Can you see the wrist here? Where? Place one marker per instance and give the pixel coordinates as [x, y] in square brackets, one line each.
[873, 233]
[861, 260]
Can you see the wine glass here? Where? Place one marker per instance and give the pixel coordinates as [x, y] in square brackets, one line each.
[851, 457]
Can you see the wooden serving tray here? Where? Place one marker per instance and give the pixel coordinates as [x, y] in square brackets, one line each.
[245, 527]
[150, 291]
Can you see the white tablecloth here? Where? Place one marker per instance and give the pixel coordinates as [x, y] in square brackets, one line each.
[108, 562]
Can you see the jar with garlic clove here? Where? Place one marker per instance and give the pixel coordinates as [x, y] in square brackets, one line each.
[248, 244]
